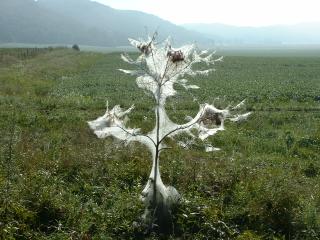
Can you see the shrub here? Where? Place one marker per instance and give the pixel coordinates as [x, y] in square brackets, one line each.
[76, 47]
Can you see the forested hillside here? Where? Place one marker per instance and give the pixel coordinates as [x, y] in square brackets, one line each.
[80, 21]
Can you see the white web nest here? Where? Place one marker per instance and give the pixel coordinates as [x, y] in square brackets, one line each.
[160, 68]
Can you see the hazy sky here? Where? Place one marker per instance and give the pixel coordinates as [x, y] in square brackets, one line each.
[235, 12]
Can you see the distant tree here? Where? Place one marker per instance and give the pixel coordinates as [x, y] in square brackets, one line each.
[161, 67]
[76, 47]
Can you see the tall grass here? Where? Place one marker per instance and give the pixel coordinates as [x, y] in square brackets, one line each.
[57, 181]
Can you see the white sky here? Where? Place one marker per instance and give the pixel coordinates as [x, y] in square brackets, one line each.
[234, 12]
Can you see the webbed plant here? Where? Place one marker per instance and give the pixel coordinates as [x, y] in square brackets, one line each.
[159, 68]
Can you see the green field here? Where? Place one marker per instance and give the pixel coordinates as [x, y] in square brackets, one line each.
[58, 181]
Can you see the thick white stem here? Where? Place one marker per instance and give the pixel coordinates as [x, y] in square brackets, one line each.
[154, 186]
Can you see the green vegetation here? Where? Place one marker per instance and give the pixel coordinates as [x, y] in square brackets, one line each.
[57, 181]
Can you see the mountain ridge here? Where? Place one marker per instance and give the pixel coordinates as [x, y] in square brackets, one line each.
[301, 33]
[83, 22]
[91, 23]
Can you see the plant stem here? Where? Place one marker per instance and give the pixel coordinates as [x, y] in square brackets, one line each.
[156, 160]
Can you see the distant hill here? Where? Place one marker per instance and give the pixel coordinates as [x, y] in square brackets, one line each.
[86, 22]
[305, 33]
[27, 21]
[83, 22]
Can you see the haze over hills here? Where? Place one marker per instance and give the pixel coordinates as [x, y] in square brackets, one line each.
[26, 21]
[83, 22]
[304, 33]
[90, 23]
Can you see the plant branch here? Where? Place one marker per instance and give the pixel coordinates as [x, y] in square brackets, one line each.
[184, 126]
[137, 135]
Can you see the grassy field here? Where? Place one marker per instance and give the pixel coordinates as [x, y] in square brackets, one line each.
[58, 181]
